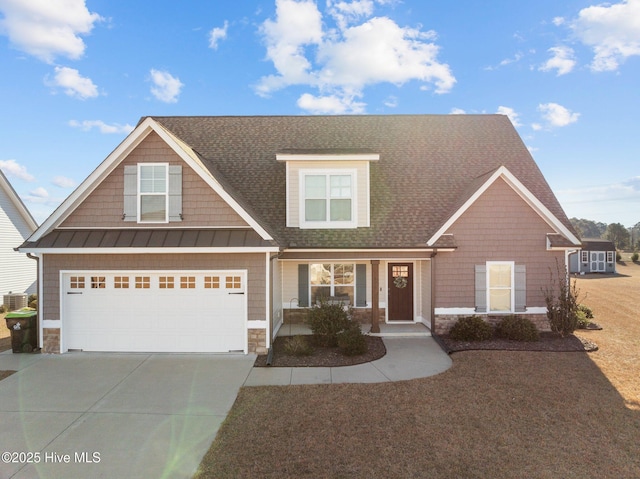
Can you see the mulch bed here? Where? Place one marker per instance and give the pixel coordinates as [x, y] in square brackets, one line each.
[322, 357]
[333, 357]
[547, 342]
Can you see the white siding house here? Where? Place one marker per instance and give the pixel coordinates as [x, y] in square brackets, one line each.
[17, 272]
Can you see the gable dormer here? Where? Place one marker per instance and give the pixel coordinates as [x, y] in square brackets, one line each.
[328, 188]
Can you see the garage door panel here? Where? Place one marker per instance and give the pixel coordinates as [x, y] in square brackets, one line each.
[155, 311]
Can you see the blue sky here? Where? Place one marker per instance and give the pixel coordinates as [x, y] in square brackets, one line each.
[78, 74]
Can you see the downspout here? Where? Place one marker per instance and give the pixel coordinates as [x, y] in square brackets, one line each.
[270, 312]
[40, 295]
[433, 291]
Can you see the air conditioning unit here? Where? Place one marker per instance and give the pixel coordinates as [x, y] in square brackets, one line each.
[15, 301]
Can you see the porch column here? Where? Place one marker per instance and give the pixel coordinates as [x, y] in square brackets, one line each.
[375, 295]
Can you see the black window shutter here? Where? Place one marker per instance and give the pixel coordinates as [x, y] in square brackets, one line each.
[303, 285]
[361, 285]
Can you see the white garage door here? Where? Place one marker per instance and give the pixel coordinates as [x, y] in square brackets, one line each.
[151, 311]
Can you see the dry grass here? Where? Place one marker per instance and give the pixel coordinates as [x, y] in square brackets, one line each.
[615, 301]
[498, 414]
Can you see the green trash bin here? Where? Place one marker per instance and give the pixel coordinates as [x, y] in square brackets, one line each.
[24, 332]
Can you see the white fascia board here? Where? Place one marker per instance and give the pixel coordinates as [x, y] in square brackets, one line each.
[361, 250]
[206, 175]
[327, 157]
[17, 203]
[159, 250]
[95, 178]
[522, 191]
[117, 156]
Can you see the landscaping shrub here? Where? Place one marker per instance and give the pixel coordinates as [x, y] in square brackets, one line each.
[326, 320]
[517, 328]
[561, 298]
[351, 341]
[33, 301]
[3, 308]
[583, 321]
[618, 257]
[586, 310]
[471, 328]
[634, 257]
[297, 346]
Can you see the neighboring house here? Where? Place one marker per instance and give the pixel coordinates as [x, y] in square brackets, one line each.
[207, 233]
[17, 271]
[595, 256]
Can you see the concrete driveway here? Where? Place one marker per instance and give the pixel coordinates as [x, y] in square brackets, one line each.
[82, 415]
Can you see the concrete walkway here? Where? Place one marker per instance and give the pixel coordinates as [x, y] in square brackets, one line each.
[136, 415]
[406, 358]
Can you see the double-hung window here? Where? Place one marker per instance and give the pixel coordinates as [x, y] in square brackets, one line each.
[500, 286]
[332, 280]
[328, 199]
[153, 198]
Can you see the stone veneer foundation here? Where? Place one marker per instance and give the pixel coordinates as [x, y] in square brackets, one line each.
[444, 323]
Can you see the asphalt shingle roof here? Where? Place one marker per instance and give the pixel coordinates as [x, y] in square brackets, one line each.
[429, 165]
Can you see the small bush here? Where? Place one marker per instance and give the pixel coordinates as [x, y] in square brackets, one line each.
[297, 346]
[583, 321]
[586, 310]
[561, 298]
[634, 257]
[618, 257]
[517, 328]
[3, 308]
[326, 320]
[351, 341]
[471, 328]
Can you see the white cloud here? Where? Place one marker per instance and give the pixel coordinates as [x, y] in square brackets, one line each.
[217, 34]
[47, 28]
[332, 104]
[63, 182]
[391, 101]
[13, 168]
[457, 111]
[612, 31]
[511, 113]
[556, 115]
[87, 125]
[557, 21]
[166, 87]
[340, 62]
[40, 193]
[74, 84]
[563, 60]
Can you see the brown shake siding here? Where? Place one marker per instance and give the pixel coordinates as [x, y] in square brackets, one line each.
[254, 263]
[201, 206]
[499, 226]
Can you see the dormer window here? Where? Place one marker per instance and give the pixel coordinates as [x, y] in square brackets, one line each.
[328, 188]
[328, 199]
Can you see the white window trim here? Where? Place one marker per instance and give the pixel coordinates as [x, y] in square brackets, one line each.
[584, 256]
[610, 257]
[513, 286]
[333, 285]
[166, 193]
[328, 224]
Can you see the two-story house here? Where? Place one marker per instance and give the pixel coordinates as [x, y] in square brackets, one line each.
[205, 234]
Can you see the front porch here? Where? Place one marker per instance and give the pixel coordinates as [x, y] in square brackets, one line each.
[386, 330]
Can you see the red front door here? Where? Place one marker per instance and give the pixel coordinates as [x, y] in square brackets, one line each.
[400, 297]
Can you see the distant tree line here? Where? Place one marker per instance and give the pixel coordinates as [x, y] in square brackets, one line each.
[624, 238]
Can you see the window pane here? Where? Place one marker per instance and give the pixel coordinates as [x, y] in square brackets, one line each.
[340, 210]
[341, 186]
[315, 186]
[153, 179]
[345, 292]
[153, 208]
[500, 276]
[500, 300]
[315, 210]
[320, 274]
[319, 292]
[343, 274]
